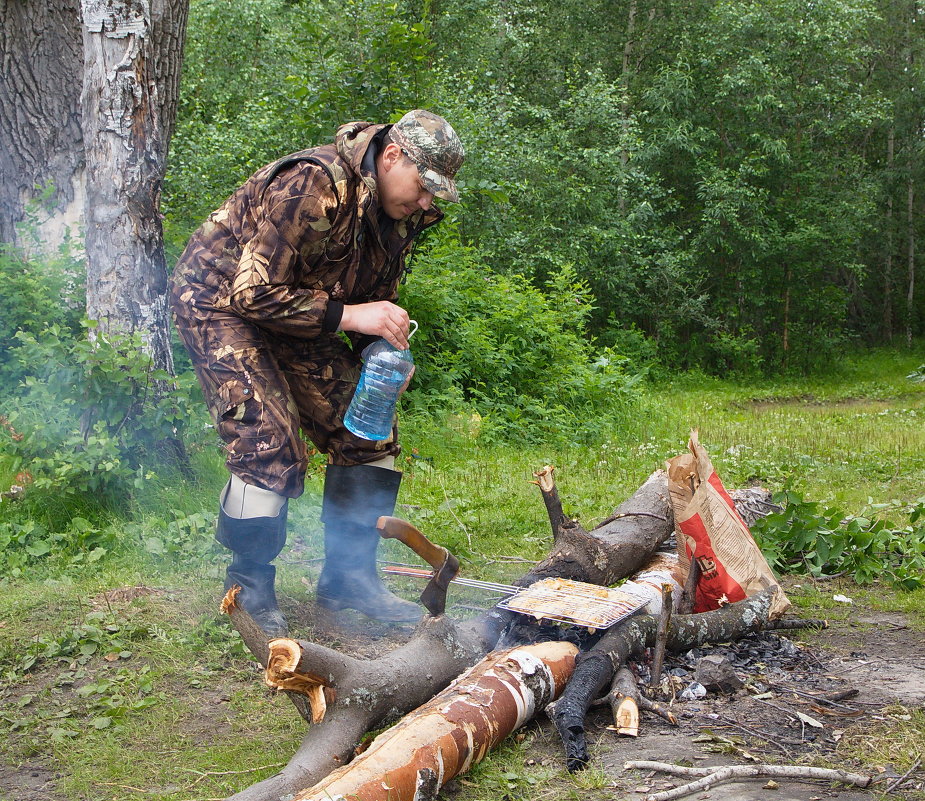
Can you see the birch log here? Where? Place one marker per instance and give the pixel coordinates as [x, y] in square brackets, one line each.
[454, 730]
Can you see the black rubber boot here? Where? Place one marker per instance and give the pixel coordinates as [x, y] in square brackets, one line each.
[255, 542]
[354, 498]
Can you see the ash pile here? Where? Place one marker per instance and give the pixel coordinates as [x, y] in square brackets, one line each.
[764, 692]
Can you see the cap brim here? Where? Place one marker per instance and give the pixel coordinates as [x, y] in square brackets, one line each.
[441, 186]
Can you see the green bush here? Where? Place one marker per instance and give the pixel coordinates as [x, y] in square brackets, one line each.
[805, 537]
[34, 293]
[518, 355]
[92, 417]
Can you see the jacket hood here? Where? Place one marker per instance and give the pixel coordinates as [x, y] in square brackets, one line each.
[352, 141]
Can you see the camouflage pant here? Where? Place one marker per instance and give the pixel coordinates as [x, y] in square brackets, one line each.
[262, 389]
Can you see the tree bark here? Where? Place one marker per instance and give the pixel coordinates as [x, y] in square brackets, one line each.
[910, 259]
[888, 260]
[41, 159]
[455, 729]
[125, 146]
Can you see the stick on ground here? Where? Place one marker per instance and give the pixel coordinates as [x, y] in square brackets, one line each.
[715, 775]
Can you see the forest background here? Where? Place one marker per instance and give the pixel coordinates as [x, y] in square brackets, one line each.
[673, 214]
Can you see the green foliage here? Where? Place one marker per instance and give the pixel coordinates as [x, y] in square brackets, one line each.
[91, 701]
[805, 536]
[263, 78]
[34, 293]
[517, 354]
[78, 545]
[185, 538]
[91, 414]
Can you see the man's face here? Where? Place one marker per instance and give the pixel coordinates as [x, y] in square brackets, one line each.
[401, 192]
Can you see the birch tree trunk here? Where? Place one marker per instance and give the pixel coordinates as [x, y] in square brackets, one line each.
[125, 141]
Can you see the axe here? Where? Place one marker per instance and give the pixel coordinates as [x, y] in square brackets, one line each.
[445, 565]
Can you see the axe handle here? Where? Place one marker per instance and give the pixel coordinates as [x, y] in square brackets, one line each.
[403, 531]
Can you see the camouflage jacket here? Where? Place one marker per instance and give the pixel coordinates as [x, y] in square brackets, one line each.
[298, 240]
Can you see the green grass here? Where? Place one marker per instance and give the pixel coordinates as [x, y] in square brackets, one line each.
[188, 716]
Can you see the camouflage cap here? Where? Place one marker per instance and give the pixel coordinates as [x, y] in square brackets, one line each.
[432, 144]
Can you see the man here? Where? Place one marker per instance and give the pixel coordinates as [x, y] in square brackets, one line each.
[309, 246]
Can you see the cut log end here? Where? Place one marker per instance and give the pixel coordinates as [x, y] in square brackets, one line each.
[282, 674]
[544, 478]
[626, 721]
[228, 602]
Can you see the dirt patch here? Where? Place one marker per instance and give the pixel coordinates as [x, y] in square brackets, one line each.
[28, 782]
[123, 595]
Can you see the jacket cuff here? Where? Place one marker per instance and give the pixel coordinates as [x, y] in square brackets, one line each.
[361, 343]
[332, 316]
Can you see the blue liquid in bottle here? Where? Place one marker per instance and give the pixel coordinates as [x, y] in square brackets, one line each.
[385, 373]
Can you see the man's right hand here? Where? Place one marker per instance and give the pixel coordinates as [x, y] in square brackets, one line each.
[381, 318]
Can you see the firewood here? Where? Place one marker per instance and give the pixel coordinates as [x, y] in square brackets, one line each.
[369, 692]
[455, 729]
[547, 485]
[714, 775]
[624, 703]
[282, 674]
[597, 666]
[661, 638]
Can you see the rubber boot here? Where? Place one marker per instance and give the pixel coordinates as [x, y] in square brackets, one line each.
[354, 498]
[255, 542]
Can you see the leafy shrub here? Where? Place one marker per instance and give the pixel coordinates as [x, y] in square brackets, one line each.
[184, 539]
[34, 293]
[517, 354]
[93, 414]
[825, 541]
[80, 543]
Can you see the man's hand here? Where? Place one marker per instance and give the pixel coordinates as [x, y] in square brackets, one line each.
[381, 318]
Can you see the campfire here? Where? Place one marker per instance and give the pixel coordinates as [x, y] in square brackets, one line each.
[471, 683]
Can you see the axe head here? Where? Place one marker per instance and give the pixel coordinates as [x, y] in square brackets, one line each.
[434, 594]
[445, 565]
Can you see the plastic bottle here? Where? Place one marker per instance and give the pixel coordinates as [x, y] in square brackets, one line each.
[385, 373]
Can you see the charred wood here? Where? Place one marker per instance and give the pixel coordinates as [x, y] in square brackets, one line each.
[596, 667]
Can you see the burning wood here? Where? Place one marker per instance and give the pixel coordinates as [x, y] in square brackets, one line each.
[370, 691]
[454, 730]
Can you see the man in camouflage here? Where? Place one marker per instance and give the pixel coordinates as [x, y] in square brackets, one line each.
[311, 245]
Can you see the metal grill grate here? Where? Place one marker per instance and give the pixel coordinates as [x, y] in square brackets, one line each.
[559, 600]
[574, 602]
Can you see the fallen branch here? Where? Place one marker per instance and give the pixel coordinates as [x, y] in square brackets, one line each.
[715, 775]
[902, 779]
[597, 666]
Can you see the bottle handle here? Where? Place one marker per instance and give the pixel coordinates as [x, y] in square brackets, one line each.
[413, 330]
